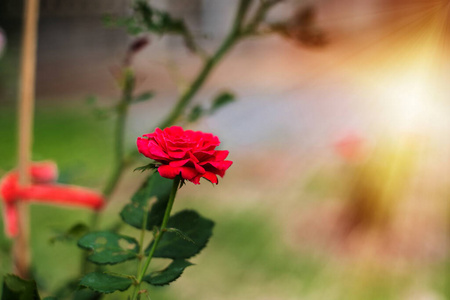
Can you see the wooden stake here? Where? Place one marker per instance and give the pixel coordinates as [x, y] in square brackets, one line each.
[21, 248]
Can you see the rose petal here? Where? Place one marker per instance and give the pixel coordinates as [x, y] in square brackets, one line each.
[193, 158]
[167, 171]
[211, 177]
[174, 130]
[221, 154]
[199, 169]
[170, 172]
[178, 163]
[156, 152]
[219, 165]
[181, 153]
[196, 179]
[188, 173]
[142, 145]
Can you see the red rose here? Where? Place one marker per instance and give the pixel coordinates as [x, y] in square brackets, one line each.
[190, 154]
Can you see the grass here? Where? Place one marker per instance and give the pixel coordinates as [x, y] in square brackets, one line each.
[68, 134]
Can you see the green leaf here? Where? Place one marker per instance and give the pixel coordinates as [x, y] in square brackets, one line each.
[155, 186]
[108, 247]
[181, 234]
[106, 283]
[130, 24]
[144, 97]
[74, 232]
[50, 298]
[169, 274]
[86, 294]
[161, 22]
[195, 114]
[194, 226]
[145, 12]
[108, 20]
[222, 100]
[16, 288]
[150, 166]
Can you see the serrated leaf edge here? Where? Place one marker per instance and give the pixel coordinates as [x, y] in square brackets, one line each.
[147, 250]
[168, 283]
[100, 290]
[136, 254]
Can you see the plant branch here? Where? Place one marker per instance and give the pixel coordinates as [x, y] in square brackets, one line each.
[122, 111]
[141, 250]
[128, 83]
[141, 273]
[243, 8]
[208, 66]
[258, 16]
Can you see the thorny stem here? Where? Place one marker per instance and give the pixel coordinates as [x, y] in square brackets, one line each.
[122, 111]
[258, 16]
[141, 250]
[128, 83]
[208, 66]
[159, 234]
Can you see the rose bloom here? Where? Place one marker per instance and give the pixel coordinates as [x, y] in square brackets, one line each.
[190, 154]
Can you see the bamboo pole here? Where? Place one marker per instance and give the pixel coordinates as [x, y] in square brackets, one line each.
[21, 249]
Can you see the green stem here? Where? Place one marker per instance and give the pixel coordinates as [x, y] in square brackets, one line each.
[119, 154]
[208, 66]
[141, 273]
[141, 250]
[122, 111]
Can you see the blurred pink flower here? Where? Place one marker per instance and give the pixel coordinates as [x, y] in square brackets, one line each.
[350, 147]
